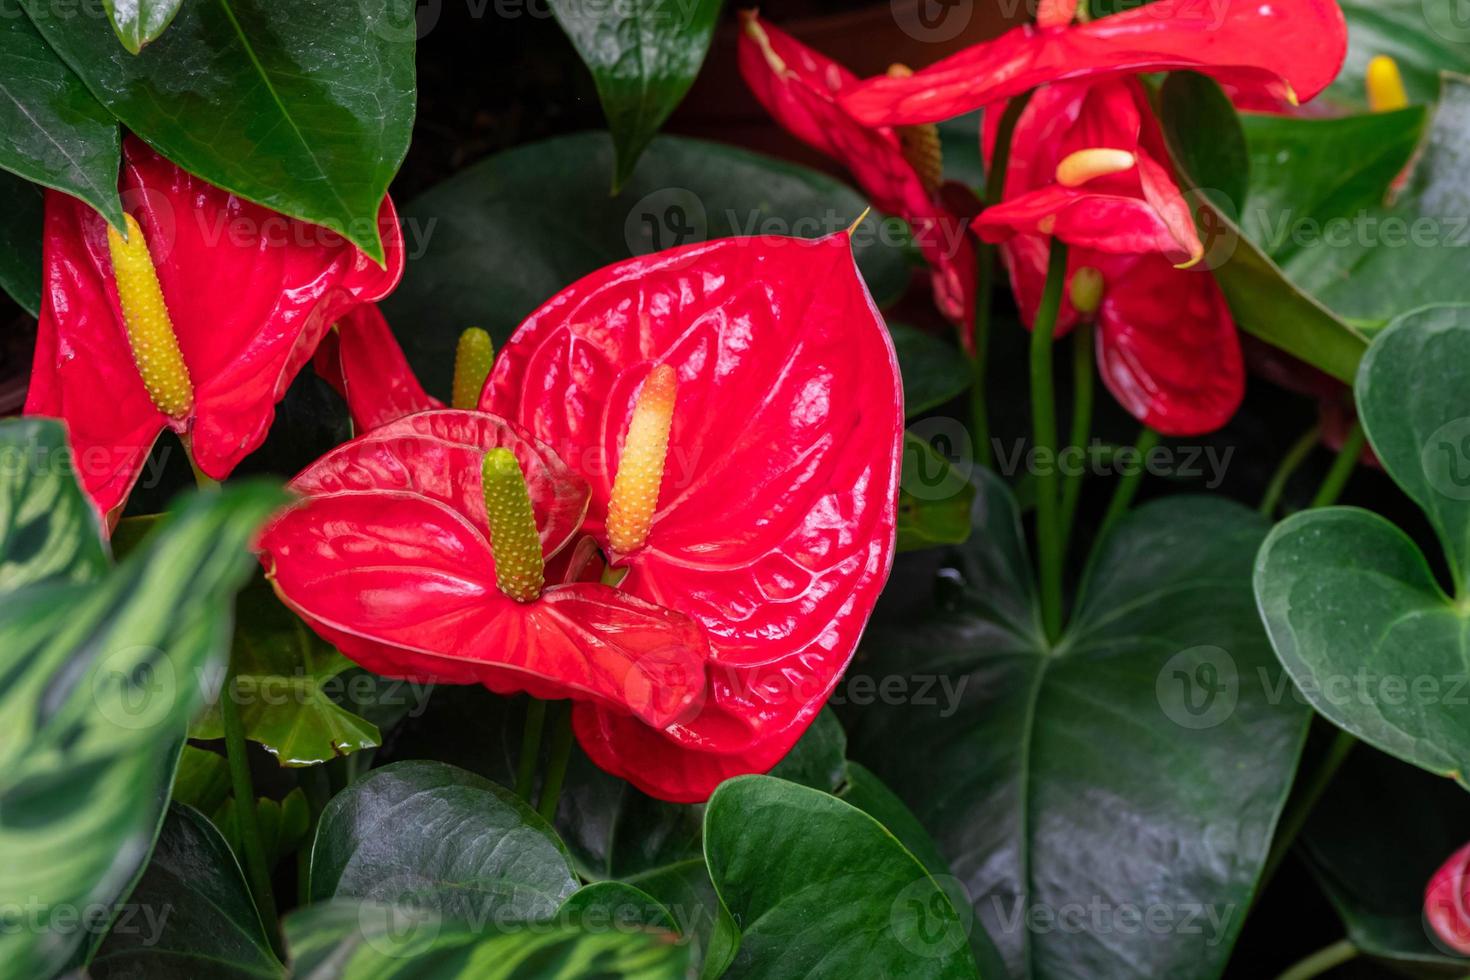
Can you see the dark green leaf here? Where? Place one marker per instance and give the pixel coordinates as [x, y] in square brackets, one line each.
[283, 824]
[819, 758]
[48, 527]
[1425, 37]
[191, 914]
[934, 498]
[305, 107]
[1037, 766]
[1206, 137]
[959, 140]
[1262, 299]
[1352, 607]
[20, 240]
[431, 836]
[934, 371]
[203, 779]
[139, 22]
[55, 132]
[283, 680]
[490, 245]
[1378, 262]
[644, 55]
[344, 940]
[844, 898]
[1306, 173]
[614, 904]
[99, 681]
[1374, 841]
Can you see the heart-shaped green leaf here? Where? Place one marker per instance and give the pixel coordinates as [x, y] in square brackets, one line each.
[56, 133]
[1204, 134]
[844, 899]
[489, 245]
[191, 914]
[431, 836]
[305, 107]
[283, 824]
[139, 22]
[102, 677]
[1352, 607]
[1137, 764]
[615, 903]
[283, 679]
[643, 55]
[20, 240]
[345, 940]
[1374, 840]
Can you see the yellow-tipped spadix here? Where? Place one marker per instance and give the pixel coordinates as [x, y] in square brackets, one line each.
[641, 466]
[1078, 168]
[520, 571]
[472, 361]
[920, 143]
[150, 331]
[1385, 85]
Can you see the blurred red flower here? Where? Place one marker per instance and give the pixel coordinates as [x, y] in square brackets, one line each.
[1447, 902]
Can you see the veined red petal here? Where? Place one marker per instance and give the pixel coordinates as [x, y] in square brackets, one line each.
[361, 359]
[799, 88]
[1114, 223]
[405, 585]
[1290, 49]
[775, 521]
[249, 292]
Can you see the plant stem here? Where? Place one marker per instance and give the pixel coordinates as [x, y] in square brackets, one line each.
[530, 747]
[1293, 459]
[1321, 961]
[1044, 424]
[556, 766]
[1342, 467]
[1127, 487]
[1082, 373]
[244, 790]
[1301, 808]
[995, 179]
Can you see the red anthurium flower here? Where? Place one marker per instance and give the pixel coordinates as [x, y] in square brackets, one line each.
[1447, 902]
[1166, 343]
[197, 320]
[361, 359]
[900, 170]
[1282, 49]
[735, 407]
[418, 558]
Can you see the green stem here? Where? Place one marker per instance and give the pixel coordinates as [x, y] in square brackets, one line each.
[530, 747]
[1321, 961]
[254, 856]
[1293, 459]
[1082, 375]
[995, 179]
[1342, 467]
[1044, 425]
[1127, 487]
[556, 766]
[1301, 807]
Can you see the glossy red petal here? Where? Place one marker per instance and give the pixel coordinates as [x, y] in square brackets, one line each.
[437, 455]
[250, 293]
[1284, 49]
[361, 359]
[799, 87]
[775, 525]
[1447, 902]
[405, 585]
[1167, 346]
[1085, 219]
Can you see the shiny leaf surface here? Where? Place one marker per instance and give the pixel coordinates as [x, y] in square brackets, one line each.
[20, 241]
[1164, 668]
[139, 22]
[328, 88]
